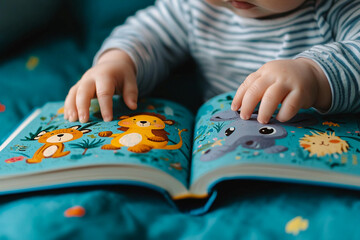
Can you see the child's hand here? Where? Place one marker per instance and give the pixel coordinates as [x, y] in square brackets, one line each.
[297, 84]
[114, 73]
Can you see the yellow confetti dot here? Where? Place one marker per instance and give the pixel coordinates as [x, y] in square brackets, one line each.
[295, 225]
[354, 159]
[32, 63]
[60, 110]
[343, 159]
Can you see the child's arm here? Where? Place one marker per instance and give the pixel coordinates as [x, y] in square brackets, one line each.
[339, 61]
[114, 73]
[298, 83]
[155, 40]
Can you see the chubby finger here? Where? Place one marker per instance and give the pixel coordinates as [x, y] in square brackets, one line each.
[130, 92]
[105, 90]
[239, 95]
[85, 93]
[290, 106]
[70, 111]
[252, 97]
[273, 96]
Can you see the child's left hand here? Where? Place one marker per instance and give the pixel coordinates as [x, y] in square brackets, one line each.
[297, 84]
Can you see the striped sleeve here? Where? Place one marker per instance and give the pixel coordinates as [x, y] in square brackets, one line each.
[340, 59]
[155, 39]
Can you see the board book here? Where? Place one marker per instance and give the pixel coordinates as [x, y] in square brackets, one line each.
[162, 145]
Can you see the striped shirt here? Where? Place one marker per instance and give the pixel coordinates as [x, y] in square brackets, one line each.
[227, 47]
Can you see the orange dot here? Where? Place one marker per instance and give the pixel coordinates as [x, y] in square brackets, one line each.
[76, 211]
[334, 141]
[150, 107]
[2, 108]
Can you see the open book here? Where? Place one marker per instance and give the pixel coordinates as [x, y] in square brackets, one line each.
[162, 145]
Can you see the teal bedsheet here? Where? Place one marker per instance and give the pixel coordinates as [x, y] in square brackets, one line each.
[247, 210]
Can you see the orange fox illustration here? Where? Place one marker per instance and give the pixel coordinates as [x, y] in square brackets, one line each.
[54, 143]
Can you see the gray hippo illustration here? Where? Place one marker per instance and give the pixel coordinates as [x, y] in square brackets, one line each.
[251, 134]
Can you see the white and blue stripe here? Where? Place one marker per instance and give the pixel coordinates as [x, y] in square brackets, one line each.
[227, 48]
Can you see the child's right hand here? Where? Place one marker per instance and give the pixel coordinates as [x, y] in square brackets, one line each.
[114, 73]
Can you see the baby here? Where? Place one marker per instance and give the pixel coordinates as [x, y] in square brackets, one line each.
[300, 53]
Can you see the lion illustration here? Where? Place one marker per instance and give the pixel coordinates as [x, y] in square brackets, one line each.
[323, 143]
[142, 132]
[54, 143]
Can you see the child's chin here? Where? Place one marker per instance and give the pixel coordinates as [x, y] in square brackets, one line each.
[251, 13]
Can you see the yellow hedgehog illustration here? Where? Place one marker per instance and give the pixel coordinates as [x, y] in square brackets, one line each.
[323, 143]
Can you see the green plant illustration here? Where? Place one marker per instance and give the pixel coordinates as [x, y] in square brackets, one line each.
[32, 136]
[219, 126]
[86, 144]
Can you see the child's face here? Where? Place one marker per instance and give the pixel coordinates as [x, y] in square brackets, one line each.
[258, 8]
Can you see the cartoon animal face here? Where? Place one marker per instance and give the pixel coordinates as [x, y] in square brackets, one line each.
[142, 132]
[250, 133]
[153, 121]
[253, 134]
[61, 135]
[53, 143]
[323, 143]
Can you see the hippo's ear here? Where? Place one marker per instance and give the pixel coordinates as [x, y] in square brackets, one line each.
[229, 115]
[226, 115]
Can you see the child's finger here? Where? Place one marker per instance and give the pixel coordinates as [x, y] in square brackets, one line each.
[239, 95]
[105, 90]
[290, 106]
[84, 95]
[252, 97]
[273, 96]
[130, 92]
[70, 112]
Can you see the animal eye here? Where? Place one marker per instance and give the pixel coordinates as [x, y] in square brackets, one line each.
[267, 130]
[229, 131]
[52, 133]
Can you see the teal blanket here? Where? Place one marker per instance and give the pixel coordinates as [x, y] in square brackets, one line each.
[247, 210]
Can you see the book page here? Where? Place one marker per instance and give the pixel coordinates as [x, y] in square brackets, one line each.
[329, 143]
[158, 134]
